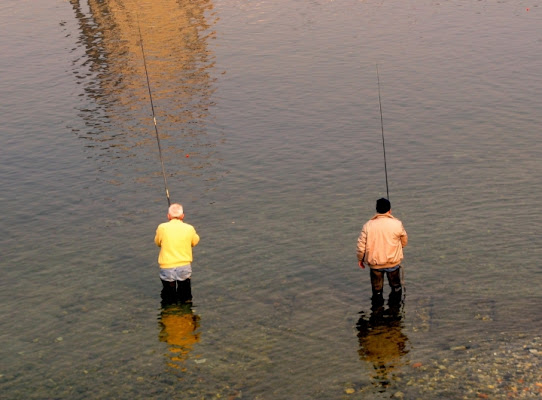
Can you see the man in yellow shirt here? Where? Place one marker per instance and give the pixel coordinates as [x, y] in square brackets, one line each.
[176, 240]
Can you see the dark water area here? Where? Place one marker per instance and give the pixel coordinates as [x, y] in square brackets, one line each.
[270, 131]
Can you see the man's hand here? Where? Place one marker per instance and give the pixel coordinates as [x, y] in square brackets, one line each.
[360, 263]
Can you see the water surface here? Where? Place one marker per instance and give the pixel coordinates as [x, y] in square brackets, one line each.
[270, 129]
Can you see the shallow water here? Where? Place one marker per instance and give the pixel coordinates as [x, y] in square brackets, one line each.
[270, 130]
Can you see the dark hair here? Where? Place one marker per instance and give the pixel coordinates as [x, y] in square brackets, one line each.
[383, 205]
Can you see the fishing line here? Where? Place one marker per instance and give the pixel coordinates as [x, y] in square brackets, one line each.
[153, 115]
[382, 126]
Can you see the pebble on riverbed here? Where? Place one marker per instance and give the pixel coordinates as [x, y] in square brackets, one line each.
[505, 369]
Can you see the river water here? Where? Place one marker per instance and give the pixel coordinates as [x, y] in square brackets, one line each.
[269, 119]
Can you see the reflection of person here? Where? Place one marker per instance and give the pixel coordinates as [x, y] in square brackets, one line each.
[380, 245]
[382, 342]
[176, 239]
[179, 325]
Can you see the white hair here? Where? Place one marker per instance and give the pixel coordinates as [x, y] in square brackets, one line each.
[175, 210]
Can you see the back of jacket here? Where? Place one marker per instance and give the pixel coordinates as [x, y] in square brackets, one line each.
[381, 242]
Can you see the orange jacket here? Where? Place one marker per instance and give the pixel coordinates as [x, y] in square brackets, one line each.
[381, 242]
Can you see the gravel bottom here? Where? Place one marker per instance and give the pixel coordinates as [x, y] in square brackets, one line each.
[510, 368]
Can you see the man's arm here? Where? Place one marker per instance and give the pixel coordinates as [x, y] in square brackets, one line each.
[157, 238]
[362, 241]
[195, 239]
[404, 237]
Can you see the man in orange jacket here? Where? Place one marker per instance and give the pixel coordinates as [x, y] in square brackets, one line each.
[380, 245]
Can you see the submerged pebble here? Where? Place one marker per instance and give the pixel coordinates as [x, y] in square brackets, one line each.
[506, 369]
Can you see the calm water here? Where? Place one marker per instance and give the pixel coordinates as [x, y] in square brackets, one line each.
[270, 126]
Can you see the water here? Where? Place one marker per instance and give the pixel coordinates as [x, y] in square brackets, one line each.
[270, 126]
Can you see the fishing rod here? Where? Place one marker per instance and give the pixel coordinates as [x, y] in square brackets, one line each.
[153, 115]
[385, 164]
[382, 126]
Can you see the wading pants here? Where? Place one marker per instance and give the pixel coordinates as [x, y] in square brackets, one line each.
[377, 282]
[173, 291]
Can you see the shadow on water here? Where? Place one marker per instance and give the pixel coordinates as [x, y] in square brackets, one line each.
[179, 329]
[382, 341]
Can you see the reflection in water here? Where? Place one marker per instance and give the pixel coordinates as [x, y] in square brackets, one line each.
[178, 325]
[116, 106]
[382, 341]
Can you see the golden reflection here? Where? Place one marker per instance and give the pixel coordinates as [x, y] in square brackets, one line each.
[178, 325]
[116, 108]
[382, 342]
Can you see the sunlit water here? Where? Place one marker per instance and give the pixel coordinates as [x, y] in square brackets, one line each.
[270, 131]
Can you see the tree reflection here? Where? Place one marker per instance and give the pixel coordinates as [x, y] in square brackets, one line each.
[382, 341]
[179, 326]
[116, 108]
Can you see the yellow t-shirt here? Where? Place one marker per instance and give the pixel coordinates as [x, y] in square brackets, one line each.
[176, 239]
